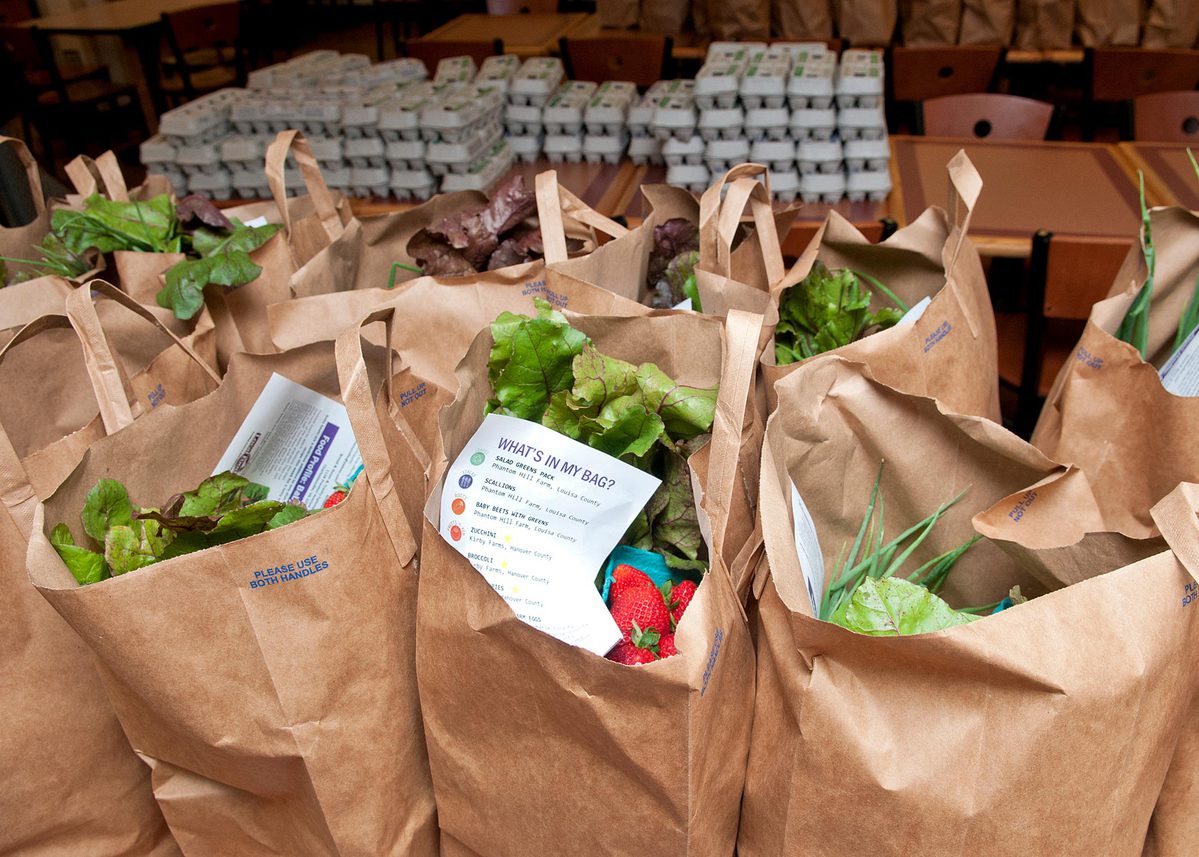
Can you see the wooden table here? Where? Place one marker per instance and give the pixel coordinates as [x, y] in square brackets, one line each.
[1169, 176]
[1073, 188]
[137, 22]
[530, 35]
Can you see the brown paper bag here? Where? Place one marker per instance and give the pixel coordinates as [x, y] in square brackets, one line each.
[240, 314]
[866, 23]
[1107, 411]
[801, 19]
[1171, 24]
[930, 22]
[1044, 24]
[20, 242]
[949, 353]
[744, 20]
[625, 761]
[618, 13]
[294, 728]
[71, 783]
[665, 16]
[103, 176]
[1106, 23]
[21, 303]
[1022, 717]
[987, 22]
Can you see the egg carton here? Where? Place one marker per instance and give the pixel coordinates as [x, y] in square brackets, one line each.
[739, 51]
[764, 83]
[863, 155]
[328, 151]
[762, 123]
[306, 77]
[861, 123]
[563, 113]
[608, 108]
[721, 123]
[250, 183]
[526, 146]
[217, 184]
[364, 152]
[785, 185]
[536, 81]
[813, 82]
[645, 150]
[819, 156]
[412, 184]
[360, 116]
[721, 155]
[399, 116]
[243, 151]
[485, 174]
[608, 148]
[404, 70]
[717, 83]
[157, 151]
[822, 187]
[675, 114]
[199, 158]
[274, 75]
[860, 79]
[523, 119]
[405, 154]
[563, 147]
[370, 181]
[457, 157]
[458, 117]
[250, 114]
[641, 111]
[693, 177]
[201, 121]
[175, 177]
[455, 70]
[689, 151]
[874, 185]
[338, 178]
[498, 72]
[813, 124]
[779, 155]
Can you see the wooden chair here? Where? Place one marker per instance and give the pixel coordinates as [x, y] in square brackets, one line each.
[75, 111]
[1166, 117]
[521, 7]
[918, 74]
[1067, 275]
[1122, 74]
[642, 59]
[985, 116]
[197, 37]
[433, 51]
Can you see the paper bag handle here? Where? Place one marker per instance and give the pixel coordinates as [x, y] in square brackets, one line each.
[742, 330]
[965, 186]
[1177, 517]
[720, 214]
[276, 156]
[32, 173]
[101, 365]
[88, 175]
[360, 405]
[553, 201]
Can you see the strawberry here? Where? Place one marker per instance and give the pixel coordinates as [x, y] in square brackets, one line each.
[629, 655]
[680, 596]
[641, 607]
[666, 647]
[339, 494]
[625, 577]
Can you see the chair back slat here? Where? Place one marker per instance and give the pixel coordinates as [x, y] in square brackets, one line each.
[1079, 272]
[641, 59]
[987, 116]
[918, 74]
[1167, 117]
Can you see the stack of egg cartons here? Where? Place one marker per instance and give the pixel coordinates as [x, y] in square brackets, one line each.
[562, 118]
[463, 134]
[674, 124]
[605, 118]
[360, 143]
[644, 146]
[767, 117]
[534, 83]
[717, 90]
[187, 146]
[862, 125]
[399, 126]
[811, 87]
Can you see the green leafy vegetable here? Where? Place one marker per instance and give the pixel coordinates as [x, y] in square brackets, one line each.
[222, 508]
[224, 261]
[828, 310]
[108, 225]
[1134, 328]
[891, 606]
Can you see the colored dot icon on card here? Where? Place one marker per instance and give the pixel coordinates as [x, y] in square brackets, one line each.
[456, 533]
[477, 459]
[459, 505]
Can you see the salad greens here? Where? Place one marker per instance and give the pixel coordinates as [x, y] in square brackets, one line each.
[670, 272]
[544, 370]
[125, 537]
[871, 559]
[891, 606]
[828, 310]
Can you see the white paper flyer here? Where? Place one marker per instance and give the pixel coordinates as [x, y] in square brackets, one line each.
[807, 545]
[1180, 375]
[537, 513]
[296, 442]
